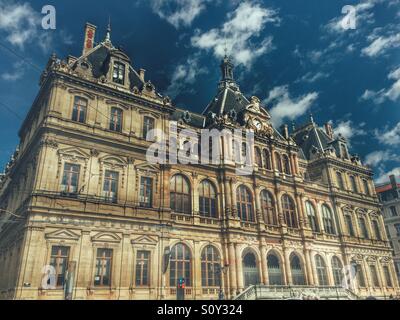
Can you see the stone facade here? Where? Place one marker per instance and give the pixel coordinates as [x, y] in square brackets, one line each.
[389, 196]
[72, 196]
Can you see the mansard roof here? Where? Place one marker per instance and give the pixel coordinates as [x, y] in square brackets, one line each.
[99, 59]
[311, 138]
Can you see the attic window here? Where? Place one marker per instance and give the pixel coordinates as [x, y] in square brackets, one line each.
[119, 73]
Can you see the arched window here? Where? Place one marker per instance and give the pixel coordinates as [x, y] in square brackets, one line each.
[250, 270]
[180, 195]
[366, 187]
[321, 271]
[278, 162]
[377, 230]
[363, 228]
[339, 180]
[180, 265]
[244, 202]
[289, 211]
[207, 199]
[286, 164]
[258, 157]
[312, 217]
[274, 270]
[210, 267]
[268, 208]
[297, 271]
[353, 184]
[267, 159]
[116, 119]
[337, 270]
[327, 218]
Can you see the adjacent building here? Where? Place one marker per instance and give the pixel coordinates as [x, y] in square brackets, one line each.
[389, 196]
[86, 216]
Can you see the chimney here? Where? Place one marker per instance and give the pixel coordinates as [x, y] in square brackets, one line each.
[393, 181]
[90, 33]
[285, 131]
[329, 130]
[141, 74]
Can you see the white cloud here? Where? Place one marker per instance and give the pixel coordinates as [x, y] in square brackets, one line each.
[392, 93]
[378, 157]
[313, 77]
[183, 75]
[349, 130]
[246, 22]
[19, 22]
[384, 176]
[381, 44]
[178, 12]
[286, 107]
[390, 137]
[16, 74]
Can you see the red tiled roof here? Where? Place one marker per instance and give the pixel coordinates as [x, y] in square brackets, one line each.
[385, 187]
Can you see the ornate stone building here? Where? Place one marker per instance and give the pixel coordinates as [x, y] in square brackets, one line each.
[83, 209]
[389, 196]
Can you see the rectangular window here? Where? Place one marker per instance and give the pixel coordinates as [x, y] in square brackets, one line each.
[59, 260]
[110, 188]
[397, 227]
[119, 73]
[393, 211]
[103, 267]
[363, 227]
[116, 120]
[388, 278]
[70, 178]
[79, 110]
[376, 230]
[360, 276]
[374, 276]
[146, 192]
[148, 125]
[142, 268]
[349, 226]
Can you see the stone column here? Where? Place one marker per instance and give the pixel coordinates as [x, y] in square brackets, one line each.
[228, 197]
[309, 267]
[239, 268]
[197, 270]
[264, 267]
[288, 273]
[232, 269]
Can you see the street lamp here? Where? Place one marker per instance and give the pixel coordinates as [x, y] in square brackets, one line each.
[220, 270]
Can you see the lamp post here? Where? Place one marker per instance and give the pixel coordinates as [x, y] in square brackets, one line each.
[220, 270]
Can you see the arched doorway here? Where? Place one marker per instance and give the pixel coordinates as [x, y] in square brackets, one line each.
[250, 270]
[297, 271]
[274, 270]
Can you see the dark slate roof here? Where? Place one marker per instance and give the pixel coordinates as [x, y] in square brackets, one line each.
[99, 58]
[191, 118]
[310, 137]
[227, 98]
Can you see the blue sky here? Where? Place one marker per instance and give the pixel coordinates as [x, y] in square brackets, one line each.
[293, 54]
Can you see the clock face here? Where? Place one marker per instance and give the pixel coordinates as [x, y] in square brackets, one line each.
[257, 124]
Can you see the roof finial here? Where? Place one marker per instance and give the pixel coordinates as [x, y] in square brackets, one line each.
[311, 118]
[108, 34]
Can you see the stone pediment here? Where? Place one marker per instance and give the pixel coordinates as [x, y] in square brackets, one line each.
[113, 161]
[73, 153]
[63, 234]
[144, 240]
[146, 167]
[106, 237]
